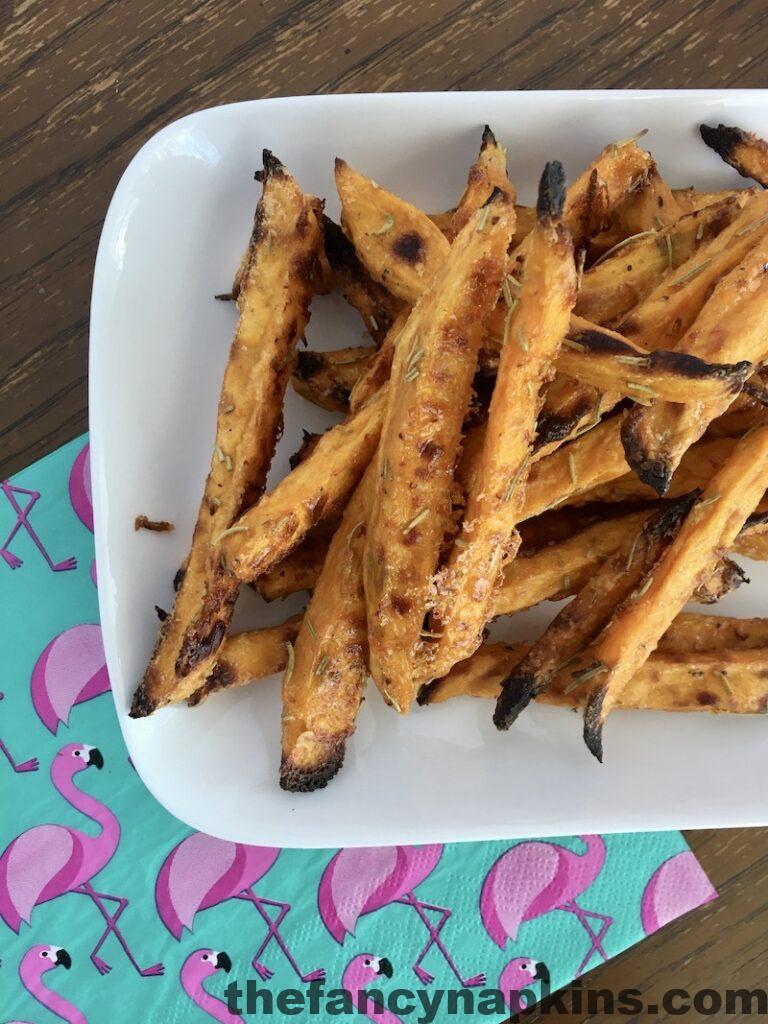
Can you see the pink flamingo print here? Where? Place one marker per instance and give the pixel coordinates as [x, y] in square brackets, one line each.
[80, 487]
[71, 670]
[535, 877]
[676, 886]
[48, 861]
[18, 766]
[36, 962]
[360, 880]
[361, 972]
[12, 494]
[198, 966]
[201, 872]
[516, 979]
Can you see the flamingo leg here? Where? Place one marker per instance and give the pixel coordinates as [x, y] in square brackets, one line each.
[273, 932]
[19, 766]
[100, 898]
[596, 945]
[22, 519]
[410, 900]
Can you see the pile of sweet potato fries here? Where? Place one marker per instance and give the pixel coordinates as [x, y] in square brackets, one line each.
[557, 402]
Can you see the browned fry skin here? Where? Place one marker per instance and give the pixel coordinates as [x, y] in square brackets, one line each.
[733, 325]
[745, 151]
[731, 681]
[666, 313]
[626, 274]
[488, 172]
[316, 489]
[710, 528]
[538, 317]
[251, 655]
[648, 205]
[327, 378]
[377, 374]
[398, 244]
[576, 625]
[274, 309]
[429, 395]
[610, 362]
[323, 684]
[377, 306]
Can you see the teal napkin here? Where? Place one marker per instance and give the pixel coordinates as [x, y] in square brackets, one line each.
[113, 911]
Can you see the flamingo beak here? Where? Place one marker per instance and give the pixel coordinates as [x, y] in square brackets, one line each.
[223, 963]
[95, 758]
[542, 973]
[63, 958]
[385, 967]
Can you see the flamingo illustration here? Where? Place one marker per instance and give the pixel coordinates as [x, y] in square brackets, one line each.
[71, 670]
[516, 979]
[676, 886]
[535, 877]
[13, 494]
[80, 487]
[36, 962]
[51, 860]
[201, 872]
[361, 972]
[360, 880]
[18, 766]
[198, 966]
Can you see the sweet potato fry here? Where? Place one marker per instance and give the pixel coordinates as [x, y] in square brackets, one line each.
[254, 654]
[711, 527]
[592, 459]
[539, 312]
[327, 378]
[725, 577]
[611, 363]
[663, 317]
[733, 325]
[744, 151]
[695, 470]
[581, 620]
[399, 245]
[377, 306]
[377, 374]
[323, 684]
[731, 681]
[284, 251]
[625, 275]
[300, 569]
[488, 172]
[690, 199]
[698, 633]
[648, 205]
[429, 393]
[317, 488]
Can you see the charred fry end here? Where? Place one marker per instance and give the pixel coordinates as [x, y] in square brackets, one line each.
[593, 724]
[722, 139]
[654, 471]
[296, 778]
[517, 692]
[549, 205]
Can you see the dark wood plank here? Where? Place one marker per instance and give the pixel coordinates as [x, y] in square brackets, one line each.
[84, 83]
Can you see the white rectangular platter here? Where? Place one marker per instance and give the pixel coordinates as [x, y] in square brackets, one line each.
[173, 236]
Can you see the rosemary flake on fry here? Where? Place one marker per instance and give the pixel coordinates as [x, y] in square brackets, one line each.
[418, 518]
[389, 223]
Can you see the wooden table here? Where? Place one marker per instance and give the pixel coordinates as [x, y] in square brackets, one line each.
[86, 82]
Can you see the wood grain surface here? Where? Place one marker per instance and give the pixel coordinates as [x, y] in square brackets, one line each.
[83, 83]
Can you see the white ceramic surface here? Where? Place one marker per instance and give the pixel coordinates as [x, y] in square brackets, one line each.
[172, 238]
